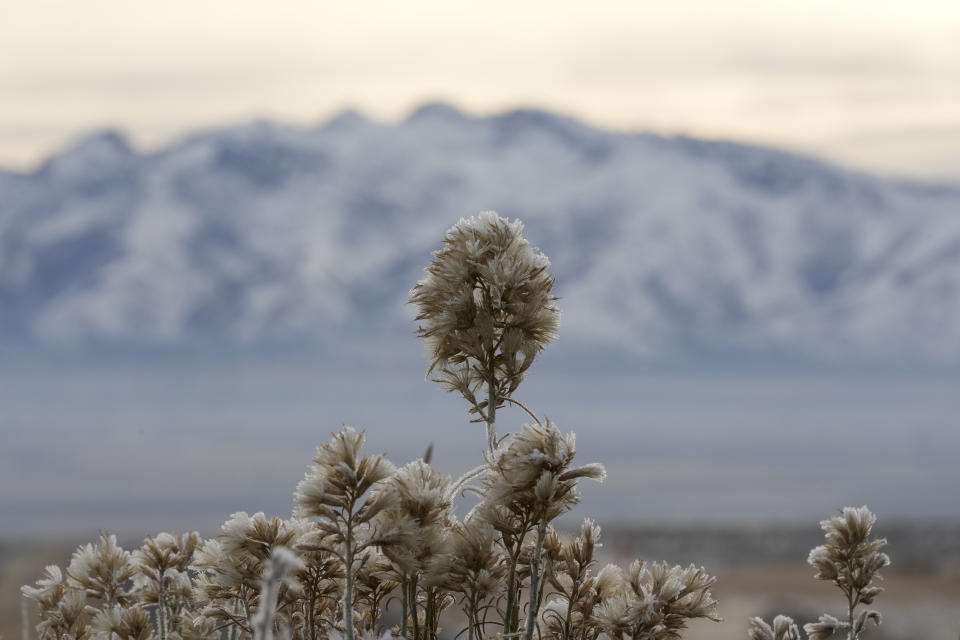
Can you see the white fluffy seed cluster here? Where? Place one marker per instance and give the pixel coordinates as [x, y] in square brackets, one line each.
[485, 308]
[851, 560]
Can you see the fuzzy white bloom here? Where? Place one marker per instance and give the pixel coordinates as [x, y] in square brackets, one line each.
[232, 567]
[485, 309]
[342, 491]
[51, 582]
[126, 623]
[533, 472]
[162, 565]
[825, 627]
[783, 628]
[656, 600]
[419, 516]
[101, 570]
[851, 560]
[339, 475]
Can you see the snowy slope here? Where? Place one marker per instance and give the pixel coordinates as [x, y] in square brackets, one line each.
[263, 235]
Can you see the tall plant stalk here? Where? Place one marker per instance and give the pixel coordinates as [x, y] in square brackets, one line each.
[535, 568]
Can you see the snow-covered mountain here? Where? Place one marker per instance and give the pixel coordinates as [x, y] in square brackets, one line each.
[263, 237]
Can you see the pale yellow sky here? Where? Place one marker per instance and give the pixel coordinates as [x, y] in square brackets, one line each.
[871, 84]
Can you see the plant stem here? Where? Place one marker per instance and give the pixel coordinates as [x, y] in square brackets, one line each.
[404, 590]
[511, 593]
[233, 627]
[850, 607]
[348, 590]
[525, 408]
[24, 619]
[566, 622]
[413, 604]
[311, 612]
[534, 605]
[161, 608]
[491, 413]
[428, 617]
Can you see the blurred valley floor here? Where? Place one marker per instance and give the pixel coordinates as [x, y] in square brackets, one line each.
[135, 450]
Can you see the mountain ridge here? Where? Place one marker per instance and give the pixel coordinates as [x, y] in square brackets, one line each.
[665, 247]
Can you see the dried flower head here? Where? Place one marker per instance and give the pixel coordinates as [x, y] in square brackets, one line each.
[415, 526]
[851, 559]
[162, 576]
[63, 611]
[530, 482]
[532, 476]
[49, 590]
[485, 309]
[339, 476]
[102, 571]
[339, 490]
[123, 623]
[232, 566]
[656, 602]
[576, 590]
[50, 594]
[783, 628]
[826, 626]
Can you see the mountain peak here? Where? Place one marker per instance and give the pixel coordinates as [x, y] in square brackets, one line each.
[437, 111]
[347, 120]
[104, 143]
[92, 156]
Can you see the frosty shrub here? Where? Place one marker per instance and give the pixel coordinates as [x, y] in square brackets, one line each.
[365, 533]
[851, 560]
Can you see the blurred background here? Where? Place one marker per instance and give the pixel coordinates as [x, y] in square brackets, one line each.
[211, 214]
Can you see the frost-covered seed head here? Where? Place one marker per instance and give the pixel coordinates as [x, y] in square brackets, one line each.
[472, 564]
[783, 628]
[123, 623]
[485, 305]
[101, 570]
[232, 566]
[417, 518]
[655, 601]
[532, 472]
[850, 558]
[339, 475]
[824, 628]
[162, 563]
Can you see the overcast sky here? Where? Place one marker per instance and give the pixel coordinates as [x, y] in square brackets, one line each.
[868, 83]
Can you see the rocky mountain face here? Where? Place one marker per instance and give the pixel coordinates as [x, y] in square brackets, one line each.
[264, 237]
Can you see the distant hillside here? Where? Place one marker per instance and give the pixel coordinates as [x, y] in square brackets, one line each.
[263, 237]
